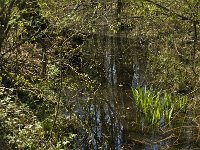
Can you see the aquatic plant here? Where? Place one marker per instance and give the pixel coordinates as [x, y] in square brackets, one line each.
[158, 104]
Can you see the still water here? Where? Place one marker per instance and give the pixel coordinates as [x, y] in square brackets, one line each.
[111, 114]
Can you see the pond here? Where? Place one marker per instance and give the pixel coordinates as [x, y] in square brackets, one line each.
[113, 118]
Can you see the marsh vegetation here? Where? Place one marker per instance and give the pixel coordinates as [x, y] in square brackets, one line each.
[99, 74]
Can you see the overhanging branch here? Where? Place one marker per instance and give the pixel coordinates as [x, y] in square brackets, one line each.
[167, 9]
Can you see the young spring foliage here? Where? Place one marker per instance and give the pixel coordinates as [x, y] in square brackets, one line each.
[156, 104]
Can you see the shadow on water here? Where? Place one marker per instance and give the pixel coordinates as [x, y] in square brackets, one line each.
[113, 118]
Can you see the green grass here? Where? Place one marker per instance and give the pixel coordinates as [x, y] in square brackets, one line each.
[157, 104]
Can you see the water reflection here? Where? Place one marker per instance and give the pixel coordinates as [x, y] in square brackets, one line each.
[110, 69]
[122, 70]
[112, 117]
[104, 131]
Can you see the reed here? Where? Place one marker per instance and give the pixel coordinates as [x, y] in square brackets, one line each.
[156, 104]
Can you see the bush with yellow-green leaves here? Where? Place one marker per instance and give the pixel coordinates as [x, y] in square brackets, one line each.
[21, 129]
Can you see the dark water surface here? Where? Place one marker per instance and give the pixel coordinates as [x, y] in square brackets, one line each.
[119, 64]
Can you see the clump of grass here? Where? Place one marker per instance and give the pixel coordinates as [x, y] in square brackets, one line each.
[157, 104]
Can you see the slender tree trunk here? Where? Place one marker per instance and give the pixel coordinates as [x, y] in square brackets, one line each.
[118, 12]
[44, 61]
[195, 38]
